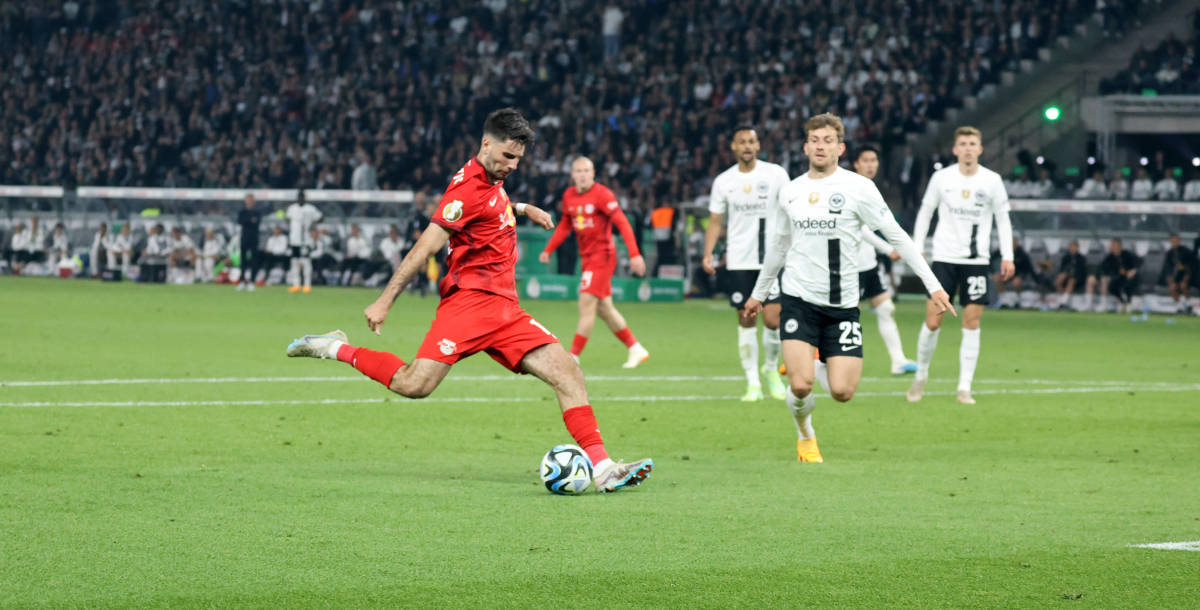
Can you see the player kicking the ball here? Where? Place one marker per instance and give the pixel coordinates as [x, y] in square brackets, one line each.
[966, 196]
[745, 194]
[592, 211]
[479, 311]
[818, 227]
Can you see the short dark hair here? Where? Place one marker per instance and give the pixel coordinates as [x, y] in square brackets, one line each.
[507, 124]
[865, 148]
[741, 128]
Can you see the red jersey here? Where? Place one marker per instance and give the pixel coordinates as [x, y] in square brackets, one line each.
[483, 234]
[592, 215]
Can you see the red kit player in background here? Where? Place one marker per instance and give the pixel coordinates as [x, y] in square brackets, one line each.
[479, 311]
[591, 210]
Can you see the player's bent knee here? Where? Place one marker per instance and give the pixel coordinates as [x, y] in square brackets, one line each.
[841, 394]
[801, 388]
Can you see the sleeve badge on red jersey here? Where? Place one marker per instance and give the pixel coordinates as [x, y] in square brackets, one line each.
[612, 205]
[453, 211]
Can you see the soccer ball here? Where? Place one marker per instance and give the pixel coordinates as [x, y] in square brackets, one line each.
[566, 470]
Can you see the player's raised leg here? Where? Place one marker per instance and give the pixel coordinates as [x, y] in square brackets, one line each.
[552, 364]
[798, 357]
[416, 379]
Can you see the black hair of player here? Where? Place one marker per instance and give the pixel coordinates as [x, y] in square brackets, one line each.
[740, 129]
[508, 124]
[865, 148]
[300, 196]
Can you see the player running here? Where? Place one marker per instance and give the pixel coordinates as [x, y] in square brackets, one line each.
[591, 210]
[746, 193]
[817, 233]
[479, 311]
[966, 196]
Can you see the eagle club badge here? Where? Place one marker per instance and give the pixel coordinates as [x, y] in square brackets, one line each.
[453, 211]
[814, 198]
[837, 201]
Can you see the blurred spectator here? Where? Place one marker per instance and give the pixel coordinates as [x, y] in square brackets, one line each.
[909, 176]
[153, 259]
[181, 257]
[1072, 275]
[364, 177]
[1166, 189]
[277, 254]
[392, 248]
[1179, 267]
[60, 244]
[358, 252]
[98, 253]
[249, 220]
[1044, 187]
[120, 250]
[1093, 188]
[1142, 188]
[1117, 277]
[212, 252]
[1191, 190]
[1119, 187]
[1024, 270]
[18, 248]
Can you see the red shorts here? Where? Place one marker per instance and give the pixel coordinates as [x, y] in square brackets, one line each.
[597, 275]
[471, 321]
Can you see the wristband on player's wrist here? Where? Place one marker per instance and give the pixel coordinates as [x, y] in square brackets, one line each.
[520, 207]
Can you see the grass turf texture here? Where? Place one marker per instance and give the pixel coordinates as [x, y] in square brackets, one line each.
[1024, 500]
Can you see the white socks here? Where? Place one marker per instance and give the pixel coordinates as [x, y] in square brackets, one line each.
[802, 409]
[926, 344]
[770, 344]
[821, 374]
[748, 352]
[890, 332]
[968, 356]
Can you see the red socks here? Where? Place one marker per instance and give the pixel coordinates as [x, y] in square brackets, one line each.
[577, 344]
[581, 423]
[380, 366]
[626, 336]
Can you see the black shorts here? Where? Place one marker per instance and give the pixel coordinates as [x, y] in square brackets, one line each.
[969, 281]
[741, 284]
[301, 251]
[834, 331]
[869, 284]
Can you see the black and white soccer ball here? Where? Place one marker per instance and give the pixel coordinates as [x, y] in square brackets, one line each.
[566, 470]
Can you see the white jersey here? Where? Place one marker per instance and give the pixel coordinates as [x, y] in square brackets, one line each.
[215, 246]
[358, 247]
[818, 232]
[277, 245]
[966, 206]
[301, 218]
[745, 198]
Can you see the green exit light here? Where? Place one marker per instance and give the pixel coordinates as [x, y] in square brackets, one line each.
[1052, 113]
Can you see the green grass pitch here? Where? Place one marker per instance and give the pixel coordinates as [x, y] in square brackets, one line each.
[241, 489]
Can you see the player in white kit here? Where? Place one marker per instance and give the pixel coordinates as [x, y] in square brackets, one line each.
[966, 196]
[818, 228]
[745, 194]
[301, 217]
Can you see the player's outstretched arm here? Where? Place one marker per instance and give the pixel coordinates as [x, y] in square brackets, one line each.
[539, 216]
[433, 238]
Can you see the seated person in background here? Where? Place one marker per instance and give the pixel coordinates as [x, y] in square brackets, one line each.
[1044, 187]
[35, 247]
[181, 256]
[358, 252]
[1191, 190]
[1143, 187]
[1093, 188]
[1117, 276]
[60, 244]
[1179, 267]
[276, 254]
[392, 248]
[324, 254]
[153, 259]
[1020, 187]
[1166, 189]
[18, 248]
[119, 249]
[212, 252]
[1024, 269]
[1118, 188]
[1072, 275]
[98, 253]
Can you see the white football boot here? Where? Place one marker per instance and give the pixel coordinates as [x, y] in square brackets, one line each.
[317, 346]
[621, 475]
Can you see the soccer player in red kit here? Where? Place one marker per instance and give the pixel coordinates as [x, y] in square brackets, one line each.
[479, 311]
[591, 210]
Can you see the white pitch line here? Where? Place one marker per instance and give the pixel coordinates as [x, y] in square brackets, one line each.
[341, 379]
[508, 399]
[1193, 545]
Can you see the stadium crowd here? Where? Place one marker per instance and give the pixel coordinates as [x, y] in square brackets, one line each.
[1169, 68]
[341, 94]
